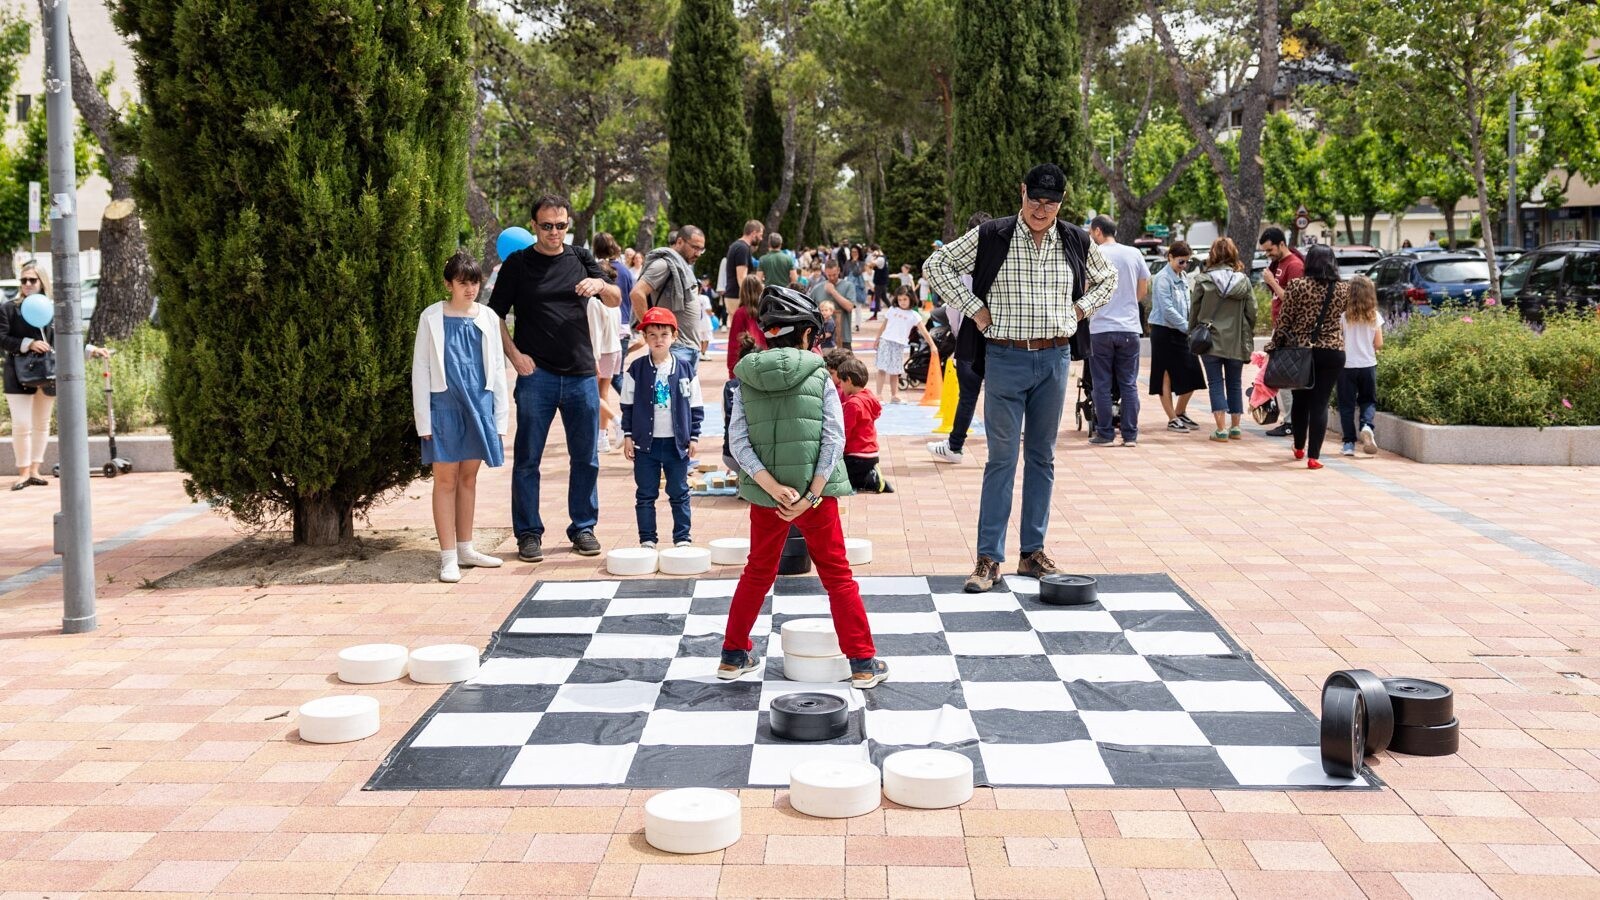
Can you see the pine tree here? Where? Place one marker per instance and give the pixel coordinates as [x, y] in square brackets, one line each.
[708, 164]
[766, 149]
[303, 174]
[1015, 88]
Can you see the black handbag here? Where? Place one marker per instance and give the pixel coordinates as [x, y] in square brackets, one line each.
[36, 370]
[1201, 338]
[1293, 368]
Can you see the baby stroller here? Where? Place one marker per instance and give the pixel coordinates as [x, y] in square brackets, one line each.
[1084, 409]
[916, 373]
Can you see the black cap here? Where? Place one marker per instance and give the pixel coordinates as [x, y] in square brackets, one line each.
[1046, 181]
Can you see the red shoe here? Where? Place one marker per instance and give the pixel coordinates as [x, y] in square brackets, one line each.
[1313, 464]
[1299, 454]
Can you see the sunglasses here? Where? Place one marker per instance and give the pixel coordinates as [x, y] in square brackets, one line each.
[28, 280]
[1041, 203]
[554, 226]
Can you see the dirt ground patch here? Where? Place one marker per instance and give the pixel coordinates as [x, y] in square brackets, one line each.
[403, 556]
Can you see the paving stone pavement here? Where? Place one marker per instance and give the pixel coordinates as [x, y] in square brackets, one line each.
[154, 756]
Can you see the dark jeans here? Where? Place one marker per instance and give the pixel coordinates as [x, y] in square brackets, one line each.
[865, 476]
[1224, 383]
[648, 464]
[969, 382]
[1116, 356]
[1309, 418]
[539, 397]
[1357, 387]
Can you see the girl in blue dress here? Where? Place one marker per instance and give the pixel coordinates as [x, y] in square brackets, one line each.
[461, 403]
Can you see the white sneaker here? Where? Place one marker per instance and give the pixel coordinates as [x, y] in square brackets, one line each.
[469, 557]
[940, 450]
[603, 442]
[1369, 441]
[449, 572]
[684, 544]
[648, 545]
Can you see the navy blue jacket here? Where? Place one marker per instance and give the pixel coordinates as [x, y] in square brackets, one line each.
[638, 418]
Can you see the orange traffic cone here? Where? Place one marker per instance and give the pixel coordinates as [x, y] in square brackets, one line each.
[935, 386]
[948, 398]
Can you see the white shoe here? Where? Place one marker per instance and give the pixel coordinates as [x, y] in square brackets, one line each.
[684, 544]
[603, 442]
[648, 545]
[940, 450]
[1369, 441]
[468, 557]
[449, 572]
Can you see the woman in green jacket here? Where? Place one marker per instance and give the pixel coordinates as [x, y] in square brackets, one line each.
[1222, 299]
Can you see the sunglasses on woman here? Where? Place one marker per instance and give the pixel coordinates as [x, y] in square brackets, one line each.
[29, 280]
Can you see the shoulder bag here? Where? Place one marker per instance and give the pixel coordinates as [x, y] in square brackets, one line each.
[36, 370]
[1203, 336]
[1292, 368]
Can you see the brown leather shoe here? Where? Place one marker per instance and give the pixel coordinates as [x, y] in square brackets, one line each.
[983, 576]
[1035, 564]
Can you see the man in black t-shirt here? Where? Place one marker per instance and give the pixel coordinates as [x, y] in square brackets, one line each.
[548, 288]
[741, 261]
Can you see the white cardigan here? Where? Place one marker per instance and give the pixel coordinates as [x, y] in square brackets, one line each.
[427, 366]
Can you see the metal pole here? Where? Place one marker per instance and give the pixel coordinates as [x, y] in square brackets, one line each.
[73, 537]
[1512, 215]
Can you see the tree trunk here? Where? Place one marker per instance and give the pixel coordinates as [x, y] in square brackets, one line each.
[124, 267]
[1366, 228]
[321, 521]
[780, 205]
[866, 207]
[124, 299]
[1475, 131]
[1349, 229]
[583, 219]
[645, 241]
[1449, 210]
[805, 201]
[1130, 222]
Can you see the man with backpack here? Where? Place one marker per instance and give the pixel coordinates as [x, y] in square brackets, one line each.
[1033, 278]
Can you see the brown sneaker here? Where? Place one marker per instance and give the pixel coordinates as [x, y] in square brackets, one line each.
[983, 576]
[1035, 564]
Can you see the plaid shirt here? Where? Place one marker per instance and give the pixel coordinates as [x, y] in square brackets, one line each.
[1032, 295]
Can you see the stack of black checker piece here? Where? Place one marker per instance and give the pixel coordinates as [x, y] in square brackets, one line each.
[1363, 714]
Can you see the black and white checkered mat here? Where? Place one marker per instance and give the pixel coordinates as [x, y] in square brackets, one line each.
[611, 683]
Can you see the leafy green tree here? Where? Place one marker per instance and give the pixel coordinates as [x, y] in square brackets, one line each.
[913, 206]
[1293, 164]
[1434, 72]
[1562, 78]
[303, 173]
[708, 166]
[1015, 100]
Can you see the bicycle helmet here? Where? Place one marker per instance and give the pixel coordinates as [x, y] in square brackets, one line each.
[782, 310]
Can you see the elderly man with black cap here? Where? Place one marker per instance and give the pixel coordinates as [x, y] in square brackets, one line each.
[1034, 277]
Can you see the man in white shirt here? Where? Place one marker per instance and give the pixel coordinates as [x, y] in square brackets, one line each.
[1114, 333]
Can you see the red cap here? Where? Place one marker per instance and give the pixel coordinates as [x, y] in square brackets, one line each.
[659, 315]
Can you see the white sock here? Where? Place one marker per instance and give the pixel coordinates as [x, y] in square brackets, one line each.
[449, 571]
[471, 557]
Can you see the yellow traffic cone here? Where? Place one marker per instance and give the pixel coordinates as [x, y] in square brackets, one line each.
[948, 397]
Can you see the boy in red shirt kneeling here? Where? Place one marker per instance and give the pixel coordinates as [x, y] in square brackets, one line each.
[861, 411]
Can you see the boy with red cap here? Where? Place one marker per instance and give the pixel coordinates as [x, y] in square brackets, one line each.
[662, 409]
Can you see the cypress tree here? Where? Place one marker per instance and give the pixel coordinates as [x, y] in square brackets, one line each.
[911, 212]
[304, 168]
[708, 160]
[766, 149]
[1015, 89]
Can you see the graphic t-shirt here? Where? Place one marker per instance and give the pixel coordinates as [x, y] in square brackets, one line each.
[898, 323]
[661, 400]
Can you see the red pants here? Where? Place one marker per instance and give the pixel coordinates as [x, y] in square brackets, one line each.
[825, 540]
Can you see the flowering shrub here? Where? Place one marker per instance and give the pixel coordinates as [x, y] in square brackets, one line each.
[1491, 369]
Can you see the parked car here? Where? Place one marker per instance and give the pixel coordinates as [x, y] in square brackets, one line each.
[1559, 277]
[1420, 285]
[1155, 263]
[1355, 259]
[1149, 245]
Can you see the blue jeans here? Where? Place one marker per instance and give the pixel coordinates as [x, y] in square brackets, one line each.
[1020, 386]
[539, 397]
[648, 464]
[1116, 355]
[1223, 381]
[1357, 387]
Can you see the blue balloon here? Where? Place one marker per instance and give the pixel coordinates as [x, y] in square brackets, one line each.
[37, 310]
[511, 240]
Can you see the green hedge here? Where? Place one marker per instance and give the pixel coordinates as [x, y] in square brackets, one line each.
[136, 371]
[1488, 368]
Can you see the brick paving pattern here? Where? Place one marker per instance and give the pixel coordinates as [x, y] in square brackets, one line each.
[154, 756]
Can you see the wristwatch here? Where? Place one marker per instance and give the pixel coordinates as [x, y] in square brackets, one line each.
[813, 499]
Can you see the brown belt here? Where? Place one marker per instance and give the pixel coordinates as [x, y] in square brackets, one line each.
[1032, 343]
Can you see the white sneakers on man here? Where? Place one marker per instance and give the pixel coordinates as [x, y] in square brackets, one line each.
[940, 450]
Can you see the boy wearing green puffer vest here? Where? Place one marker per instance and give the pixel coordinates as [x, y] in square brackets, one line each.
[787, 435]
